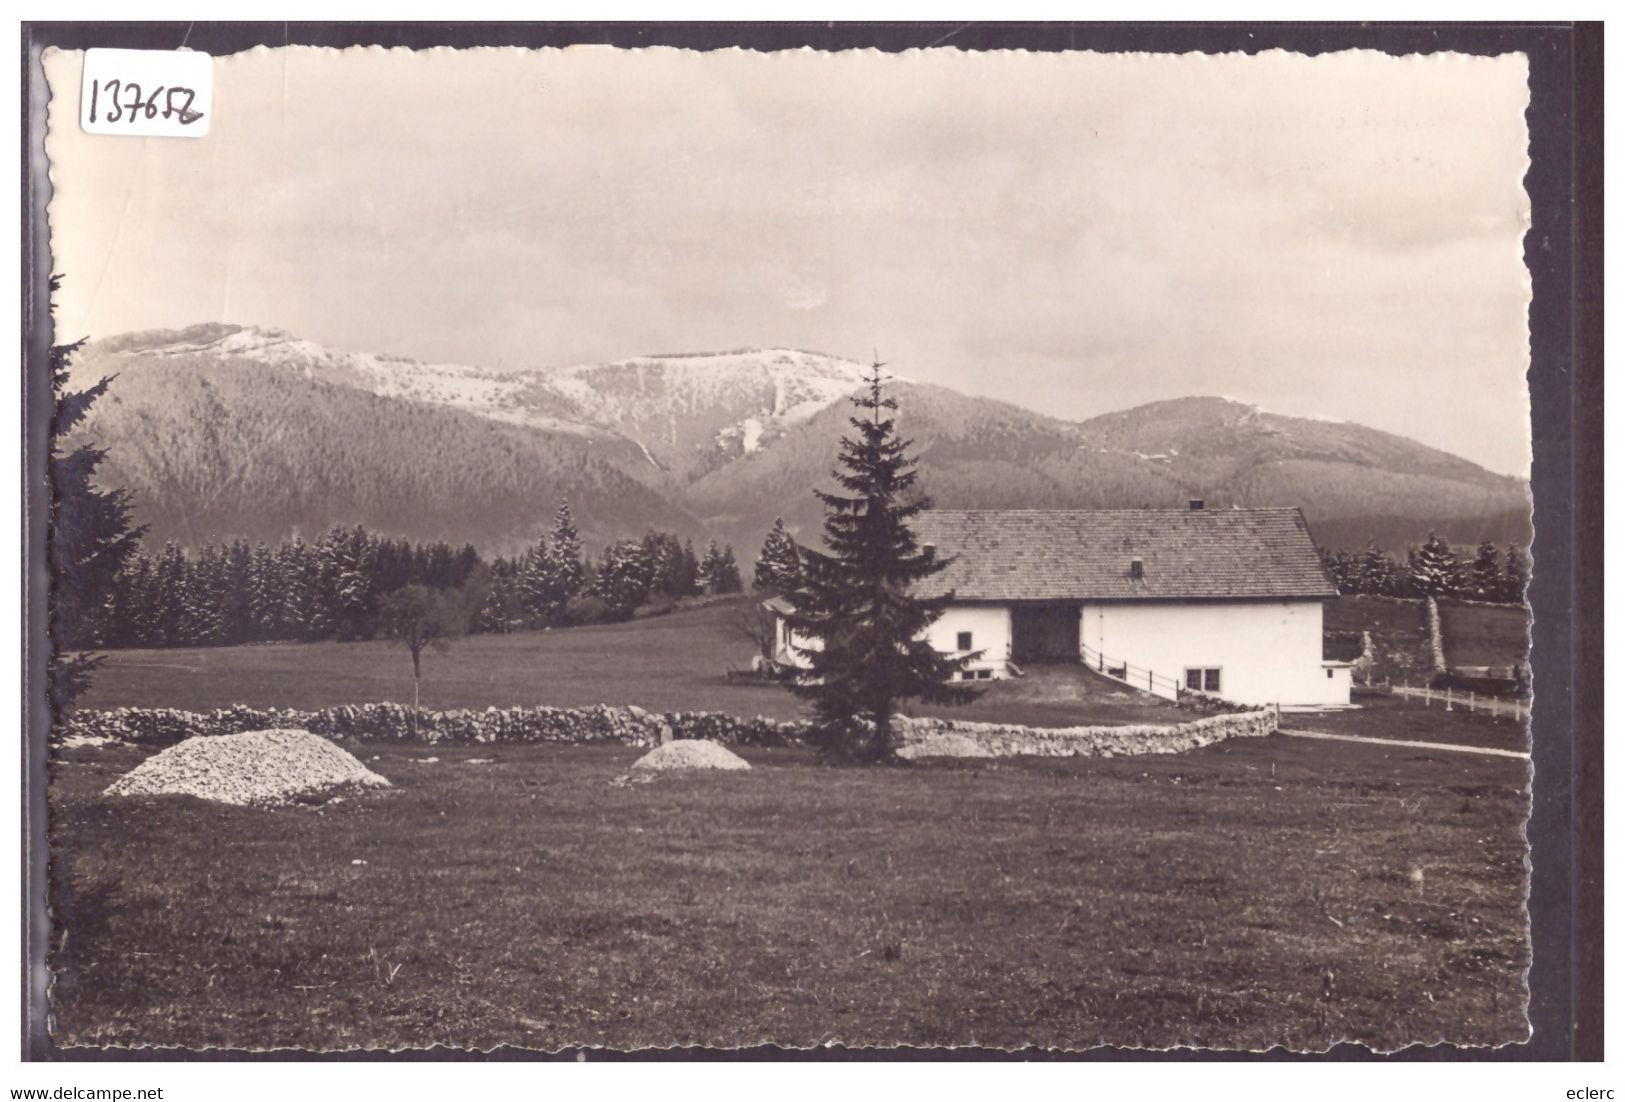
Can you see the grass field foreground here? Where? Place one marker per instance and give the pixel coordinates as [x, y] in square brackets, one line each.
[1260, 892]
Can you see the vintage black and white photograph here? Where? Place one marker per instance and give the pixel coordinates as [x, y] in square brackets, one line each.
[657, 548]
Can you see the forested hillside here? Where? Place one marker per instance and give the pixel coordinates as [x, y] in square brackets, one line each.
[224, 431]
[1354, 484]
[228, 449]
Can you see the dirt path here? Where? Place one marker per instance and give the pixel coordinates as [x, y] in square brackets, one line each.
[1409, 743]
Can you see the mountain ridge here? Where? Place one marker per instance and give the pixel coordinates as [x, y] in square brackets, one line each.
[710, 444]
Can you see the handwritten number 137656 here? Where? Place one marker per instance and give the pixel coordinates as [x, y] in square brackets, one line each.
[168, 102]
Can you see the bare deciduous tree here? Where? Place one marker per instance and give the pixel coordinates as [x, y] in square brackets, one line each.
[418, 617]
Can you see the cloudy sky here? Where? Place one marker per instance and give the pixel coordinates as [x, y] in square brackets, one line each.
[1335, 236]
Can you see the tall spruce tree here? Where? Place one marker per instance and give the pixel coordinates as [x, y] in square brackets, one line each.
[567, 574]
[706, 578]
[1336, 566]
[726, 577]
[1343, 572]
[1514, 576]
[690, 568]
[88, 541]
[264, 593]
[169, 596]
[719, 570]
[205, 584]
[1484, 578]
[778, 567]
[623, 578]
[1434, 570]
[855, 602]
[300, 575]
[1404, 579]
[347, 595]
[132, 603]
[673, 574]
[237, 594]
[497, 610]
[1375, 572]
[533, 584]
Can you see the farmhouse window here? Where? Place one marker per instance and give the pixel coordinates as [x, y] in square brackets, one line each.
[964, 640]
[1202, 679]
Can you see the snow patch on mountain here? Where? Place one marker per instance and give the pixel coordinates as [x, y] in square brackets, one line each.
[684, 407]
[784, 385]
[677, 409]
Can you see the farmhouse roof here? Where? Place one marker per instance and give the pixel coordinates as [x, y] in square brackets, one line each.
[1070, 554]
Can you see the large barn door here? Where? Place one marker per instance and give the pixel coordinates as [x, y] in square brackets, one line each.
[1044, 633]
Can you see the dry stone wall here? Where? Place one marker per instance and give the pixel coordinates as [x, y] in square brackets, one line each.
[1001, 740]
[630, 725]
[1435, 638]
[634, 726]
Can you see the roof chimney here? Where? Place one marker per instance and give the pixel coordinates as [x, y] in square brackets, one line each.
[929, 550]
[1196, 505]
[1136, 569]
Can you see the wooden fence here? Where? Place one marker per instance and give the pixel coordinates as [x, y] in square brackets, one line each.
[1135, 676]
[1450, 700]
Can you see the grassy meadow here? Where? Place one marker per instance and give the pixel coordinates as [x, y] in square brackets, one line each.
[1484, 635]
[1379, 714]
[1258, 892]
[673, 663]
[1399, 634]
[1255, 893]
[1473, 634]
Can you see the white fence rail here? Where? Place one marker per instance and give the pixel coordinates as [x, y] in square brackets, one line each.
[1133, 676]
[1450, 700]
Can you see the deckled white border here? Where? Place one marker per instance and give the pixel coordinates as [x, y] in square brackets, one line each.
[63, 111]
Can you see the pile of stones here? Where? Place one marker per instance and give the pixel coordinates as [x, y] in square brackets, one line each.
[691, 754]
[256, 768]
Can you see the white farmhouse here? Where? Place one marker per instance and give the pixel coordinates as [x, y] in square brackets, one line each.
[1226, 602]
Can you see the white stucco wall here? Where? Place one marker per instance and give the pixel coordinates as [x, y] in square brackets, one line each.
[989, 626]
[787, 642]
[1269, 651]
[1339, 682]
